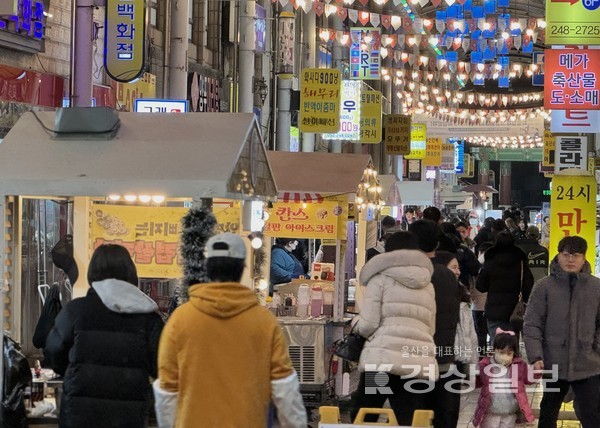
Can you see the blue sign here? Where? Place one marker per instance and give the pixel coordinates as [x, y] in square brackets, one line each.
[29, 20]
[459, 156]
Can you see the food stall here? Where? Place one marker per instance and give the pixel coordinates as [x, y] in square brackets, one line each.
[87, 155]
[324, 184]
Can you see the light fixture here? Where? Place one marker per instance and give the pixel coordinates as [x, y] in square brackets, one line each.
[158, 199]
[261, 88]
[114, 197]
[368, 194]
[145, 198]
[130, 198]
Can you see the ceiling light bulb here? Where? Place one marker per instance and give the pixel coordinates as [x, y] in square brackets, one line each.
[145, 198]
[114, 197]
[130, 198]
[158, 199]
[256, 242]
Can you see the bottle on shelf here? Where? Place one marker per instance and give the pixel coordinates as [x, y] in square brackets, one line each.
[303, 300]
[316, 301]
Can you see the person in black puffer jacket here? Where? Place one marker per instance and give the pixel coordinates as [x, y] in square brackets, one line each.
[505, 271]
[105, 345]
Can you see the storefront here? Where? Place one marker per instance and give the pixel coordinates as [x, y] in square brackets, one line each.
[180, 157]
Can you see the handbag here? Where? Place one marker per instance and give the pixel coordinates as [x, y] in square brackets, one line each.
[516, 317]
[350, 347]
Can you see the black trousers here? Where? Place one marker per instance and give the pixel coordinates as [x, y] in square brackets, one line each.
[480, 322]
[587, 395]
[372, 392]
[444, 402]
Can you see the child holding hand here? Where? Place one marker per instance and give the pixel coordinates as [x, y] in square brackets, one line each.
[503, 377]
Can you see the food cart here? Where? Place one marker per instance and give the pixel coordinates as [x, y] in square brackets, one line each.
[84, 155]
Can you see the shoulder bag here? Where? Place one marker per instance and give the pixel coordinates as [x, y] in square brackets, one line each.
[350, 347]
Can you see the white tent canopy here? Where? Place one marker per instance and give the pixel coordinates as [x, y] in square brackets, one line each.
[416, 192]
[177, 155]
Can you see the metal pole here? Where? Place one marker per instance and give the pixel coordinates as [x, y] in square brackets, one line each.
[82, 53]
[166, 50]
[246, 56]
[178, 49]
[236, 46]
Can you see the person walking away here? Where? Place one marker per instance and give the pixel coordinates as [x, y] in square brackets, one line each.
[479, 300]
[222, 356]
[398, 318]
[465, 342]
[503, 378]
[504, 276]
[105, 345]
[562, 333]
[537, 256]
[442, 400]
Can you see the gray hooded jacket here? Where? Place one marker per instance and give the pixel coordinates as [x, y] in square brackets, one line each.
[562, 323]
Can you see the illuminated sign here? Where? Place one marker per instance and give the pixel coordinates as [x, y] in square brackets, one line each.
[418, 141]
[572, 22]
[22, 17]
[571, 79]
[364, 53]
[433, 155]
[349, 113]
[320, 100]
[145, 105]
[124, 39]
[459, 156]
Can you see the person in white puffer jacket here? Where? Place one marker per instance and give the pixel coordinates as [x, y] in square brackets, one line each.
[398, 320]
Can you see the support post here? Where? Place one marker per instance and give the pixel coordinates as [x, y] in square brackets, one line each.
[178, 45]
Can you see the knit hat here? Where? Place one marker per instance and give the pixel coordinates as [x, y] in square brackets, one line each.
[226, 245]
[532, 232]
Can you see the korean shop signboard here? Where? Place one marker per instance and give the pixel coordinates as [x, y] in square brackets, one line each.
[311, 220]
[572, 22]
[397, 134]
[433, 155]
[124, 39]
[370, 117]
[151, 234]
[571, 79]
[320, 100]
[418, 141]
[584, 121]
[573, 210]
[571, 152]
[349, 112]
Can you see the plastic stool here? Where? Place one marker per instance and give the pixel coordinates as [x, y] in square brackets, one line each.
[422, 418]
[360, 417]
[329, 415]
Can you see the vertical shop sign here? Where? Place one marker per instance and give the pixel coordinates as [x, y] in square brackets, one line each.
[22, 17]
[397, 134]
[584, 121]
[448, 158]
[124, 39]
[349, 113]
[573, 210]
[571, 152]
[571, 79]
[433, 152]
[572, 22]
[370, 117]
[260, 26]
[320, 100]
[547, 165]
[285, 40]
[364, 53]
[459, 156]
[418, 141]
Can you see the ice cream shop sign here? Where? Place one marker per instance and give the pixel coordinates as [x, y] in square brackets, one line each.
[22, 24]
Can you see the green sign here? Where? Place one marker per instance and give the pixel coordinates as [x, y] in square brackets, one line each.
[546, 192]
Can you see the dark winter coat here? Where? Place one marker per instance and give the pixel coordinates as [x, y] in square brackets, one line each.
[500, 277]
[537, 257]
[468, 262]
[284, 266]
[105, 344]
[562, 323]
[447, 300]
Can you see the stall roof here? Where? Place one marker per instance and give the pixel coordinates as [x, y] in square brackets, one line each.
[416, 192]
[390, 193]
[317, 172]
[176, 155]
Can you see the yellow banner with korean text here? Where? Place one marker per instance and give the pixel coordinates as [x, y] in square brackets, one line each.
[397, 134]
[573, 210]
[311, 220]
[151, 234]
[418, 141]
[433, 153]
[228, 213]
[320, 100]
[370, 117]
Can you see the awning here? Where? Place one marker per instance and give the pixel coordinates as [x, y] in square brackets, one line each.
[298, 197]
[317, 173]
[176, 155]
[389, 189]
[416, 192]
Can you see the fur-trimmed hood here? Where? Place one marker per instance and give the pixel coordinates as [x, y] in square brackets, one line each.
[395, 263]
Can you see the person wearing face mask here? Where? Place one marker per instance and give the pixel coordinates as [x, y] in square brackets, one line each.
[284, 265]
[503, 377]
[562, 333]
